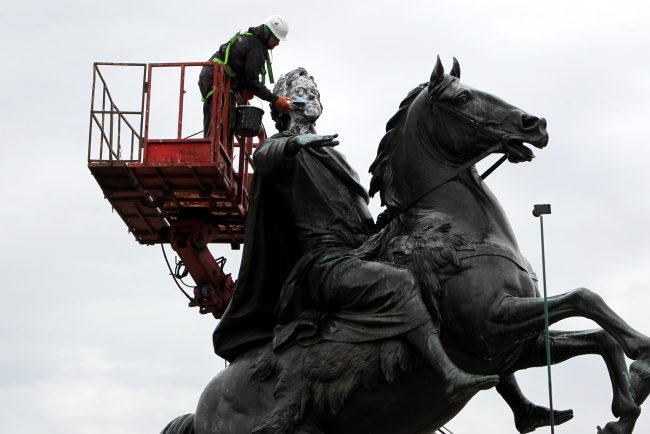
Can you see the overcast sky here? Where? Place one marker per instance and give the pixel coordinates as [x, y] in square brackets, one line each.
[94, 336]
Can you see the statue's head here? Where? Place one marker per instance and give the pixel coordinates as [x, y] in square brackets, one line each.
[297, 84]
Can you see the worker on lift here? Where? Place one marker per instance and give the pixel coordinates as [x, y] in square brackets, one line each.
[244, 57]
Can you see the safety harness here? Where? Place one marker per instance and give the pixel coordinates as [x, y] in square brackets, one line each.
[229, 69]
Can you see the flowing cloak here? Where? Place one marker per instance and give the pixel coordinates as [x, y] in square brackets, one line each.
[271, 250]
[298, 278]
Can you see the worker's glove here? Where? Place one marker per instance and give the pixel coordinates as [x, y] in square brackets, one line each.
[282, 103]
[246, 95]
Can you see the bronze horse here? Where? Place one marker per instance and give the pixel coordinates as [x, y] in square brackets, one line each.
[485, 292]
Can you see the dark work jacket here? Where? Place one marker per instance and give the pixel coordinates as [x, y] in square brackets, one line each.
[247, 57]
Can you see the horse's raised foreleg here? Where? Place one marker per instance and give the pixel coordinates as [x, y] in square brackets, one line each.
[566, 345]
[526, 316]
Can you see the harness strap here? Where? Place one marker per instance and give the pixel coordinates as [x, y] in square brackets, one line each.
[204, 99]
[269, 68]
[229, 69]
[224, 62]
[227, 56]
[475, 250]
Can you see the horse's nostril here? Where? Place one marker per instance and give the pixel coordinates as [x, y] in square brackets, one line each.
[529, 122]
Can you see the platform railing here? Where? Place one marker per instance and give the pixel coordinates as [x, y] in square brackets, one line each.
[153, 88]
[111, 136]
[230, 152]
[153, 134]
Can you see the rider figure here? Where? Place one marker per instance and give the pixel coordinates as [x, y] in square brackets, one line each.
[319, 193]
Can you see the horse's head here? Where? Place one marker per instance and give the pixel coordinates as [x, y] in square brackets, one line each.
[446, 124]
[467, 121]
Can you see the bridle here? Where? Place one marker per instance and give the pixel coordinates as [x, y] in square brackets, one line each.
[477, 126]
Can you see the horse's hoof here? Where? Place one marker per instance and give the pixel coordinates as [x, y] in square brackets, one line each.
[536, 416]
[621, 426]
[640, 380]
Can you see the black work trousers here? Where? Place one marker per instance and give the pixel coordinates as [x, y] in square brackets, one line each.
[205, 86]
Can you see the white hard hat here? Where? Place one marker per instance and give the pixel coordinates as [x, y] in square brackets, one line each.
[278, 26]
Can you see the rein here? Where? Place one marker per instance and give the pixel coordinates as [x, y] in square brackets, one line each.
[454, 174]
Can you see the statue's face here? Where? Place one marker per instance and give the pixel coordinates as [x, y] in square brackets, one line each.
[305, 88]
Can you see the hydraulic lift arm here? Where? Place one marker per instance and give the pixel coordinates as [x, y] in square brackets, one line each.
[214, 288]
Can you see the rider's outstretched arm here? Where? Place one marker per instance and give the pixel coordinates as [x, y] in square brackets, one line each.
[277, 152]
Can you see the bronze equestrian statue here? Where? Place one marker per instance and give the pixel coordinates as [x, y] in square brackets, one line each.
[338, 328]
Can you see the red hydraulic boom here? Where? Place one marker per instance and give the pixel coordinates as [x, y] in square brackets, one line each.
[185, 191]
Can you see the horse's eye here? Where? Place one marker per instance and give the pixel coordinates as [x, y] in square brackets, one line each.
[463, 98]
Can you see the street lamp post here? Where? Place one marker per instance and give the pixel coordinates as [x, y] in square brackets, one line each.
[539, 211]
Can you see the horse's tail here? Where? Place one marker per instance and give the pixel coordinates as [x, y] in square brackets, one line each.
[181, 425]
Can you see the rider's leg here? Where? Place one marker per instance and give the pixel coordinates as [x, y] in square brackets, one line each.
[458, 383]
[387, 299]
[528, 416]
[516, 315]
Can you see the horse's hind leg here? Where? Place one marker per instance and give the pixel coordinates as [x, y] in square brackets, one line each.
[566, 345]
[525, 316]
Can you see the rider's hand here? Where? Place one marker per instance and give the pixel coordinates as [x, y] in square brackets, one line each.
[309, 141]
[282, 103]
[316, 141]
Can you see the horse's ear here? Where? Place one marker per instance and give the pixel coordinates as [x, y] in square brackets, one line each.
[437, 74]
[455, 70]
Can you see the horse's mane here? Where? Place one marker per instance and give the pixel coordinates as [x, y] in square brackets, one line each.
[381, 169]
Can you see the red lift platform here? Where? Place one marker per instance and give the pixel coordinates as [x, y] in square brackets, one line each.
[185, 191]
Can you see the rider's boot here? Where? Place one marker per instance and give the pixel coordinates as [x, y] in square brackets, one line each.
[531, 416]
[458, 383]
[528, 416]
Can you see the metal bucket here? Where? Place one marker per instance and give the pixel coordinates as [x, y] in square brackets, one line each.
[248, 121]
